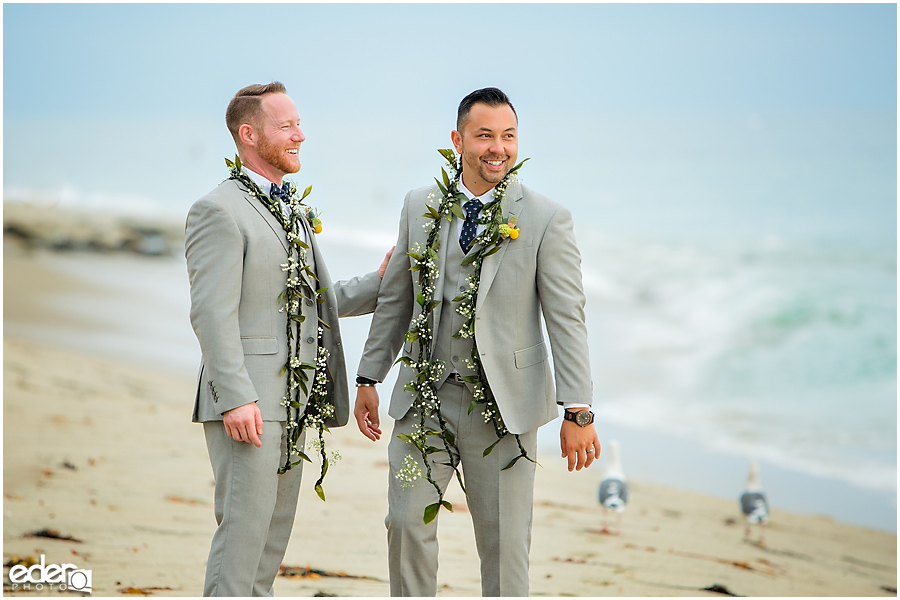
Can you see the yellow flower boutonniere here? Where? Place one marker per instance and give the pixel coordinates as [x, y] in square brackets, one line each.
[508, 230]
[314, 221]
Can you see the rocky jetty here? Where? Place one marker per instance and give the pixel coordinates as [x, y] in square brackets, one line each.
[69, 229]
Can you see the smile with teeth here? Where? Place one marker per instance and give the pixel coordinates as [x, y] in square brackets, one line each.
[293, 151]
[495, 163]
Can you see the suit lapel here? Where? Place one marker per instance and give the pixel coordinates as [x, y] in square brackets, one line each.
[444, 237]
[511, 206]
[318, 264]
[267, 216]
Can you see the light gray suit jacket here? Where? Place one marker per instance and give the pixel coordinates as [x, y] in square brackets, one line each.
[234, 248]
[539, 273]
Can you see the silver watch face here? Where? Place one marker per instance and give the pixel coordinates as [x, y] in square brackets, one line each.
[584, 417]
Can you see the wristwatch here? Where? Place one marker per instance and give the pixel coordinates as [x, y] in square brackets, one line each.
[582, 418]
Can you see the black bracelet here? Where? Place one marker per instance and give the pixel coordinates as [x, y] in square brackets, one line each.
[365, 381]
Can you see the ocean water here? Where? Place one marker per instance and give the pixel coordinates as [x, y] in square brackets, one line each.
[781, 352]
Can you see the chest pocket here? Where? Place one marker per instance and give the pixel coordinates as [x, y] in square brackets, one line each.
[260, 345]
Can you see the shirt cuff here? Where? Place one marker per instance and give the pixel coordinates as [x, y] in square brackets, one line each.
[568, 405]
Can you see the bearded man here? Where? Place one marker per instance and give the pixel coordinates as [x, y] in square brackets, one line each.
[260, 313]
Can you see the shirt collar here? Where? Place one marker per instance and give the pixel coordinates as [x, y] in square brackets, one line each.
[470, 195]
[264, 184]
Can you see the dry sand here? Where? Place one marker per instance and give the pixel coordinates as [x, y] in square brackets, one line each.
[104, 452]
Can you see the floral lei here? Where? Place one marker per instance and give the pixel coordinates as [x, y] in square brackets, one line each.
[428, 369]
[300, 286]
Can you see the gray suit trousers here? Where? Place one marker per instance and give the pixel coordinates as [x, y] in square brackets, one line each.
[254, 508]
[500, 502]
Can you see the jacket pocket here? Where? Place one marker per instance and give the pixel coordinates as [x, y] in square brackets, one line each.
[260, 345]
[531, 356]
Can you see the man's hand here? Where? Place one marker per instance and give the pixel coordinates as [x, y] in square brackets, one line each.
[384, 264]
[244, 424]
[366, 412]
[576, 442]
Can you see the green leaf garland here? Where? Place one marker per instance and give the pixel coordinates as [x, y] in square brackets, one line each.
[301, 285]
[428, 369]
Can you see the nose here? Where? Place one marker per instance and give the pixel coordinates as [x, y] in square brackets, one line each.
[298, 136]
[496, 146]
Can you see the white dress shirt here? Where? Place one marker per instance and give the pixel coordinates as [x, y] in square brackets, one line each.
[479, 228]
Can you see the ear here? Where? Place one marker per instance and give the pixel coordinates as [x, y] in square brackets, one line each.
[247, 134]
[456, 138]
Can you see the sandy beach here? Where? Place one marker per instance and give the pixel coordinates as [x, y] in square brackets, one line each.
[103, 469]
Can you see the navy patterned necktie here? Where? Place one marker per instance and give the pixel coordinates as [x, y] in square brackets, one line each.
[473, 207]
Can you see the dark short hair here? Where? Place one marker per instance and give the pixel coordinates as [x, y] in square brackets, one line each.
[246, 105]
[490, 96]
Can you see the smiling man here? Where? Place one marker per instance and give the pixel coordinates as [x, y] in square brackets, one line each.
[237, 238]
[473, 336]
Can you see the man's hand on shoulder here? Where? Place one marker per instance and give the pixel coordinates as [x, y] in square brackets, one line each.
[244, 424]
[578, 444]
[384, 263]
[366, 412]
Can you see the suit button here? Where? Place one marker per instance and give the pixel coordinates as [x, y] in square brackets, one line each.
[462, 288]
[310, 340]
[309, 302]
[455, 359]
